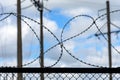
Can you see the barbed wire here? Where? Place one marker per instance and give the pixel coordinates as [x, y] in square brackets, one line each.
[8, 15]
[100, 29]
[65, 48]
[78, 33]
[62, 41]
[77, 36]
[39, 40]
[29, 27]
[39, 5]
[89, 64]
[94, 22]
[53, 47]
[24, 22]
[50, 48]
[82, 33]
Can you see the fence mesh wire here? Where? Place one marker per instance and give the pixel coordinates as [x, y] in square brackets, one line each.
[61, 76]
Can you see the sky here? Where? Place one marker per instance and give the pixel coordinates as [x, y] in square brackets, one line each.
[86, 47]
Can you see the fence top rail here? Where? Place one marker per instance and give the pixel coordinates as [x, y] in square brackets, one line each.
[59, 70]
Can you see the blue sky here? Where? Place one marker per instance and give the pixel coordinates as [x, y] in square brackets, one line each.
[91, 50]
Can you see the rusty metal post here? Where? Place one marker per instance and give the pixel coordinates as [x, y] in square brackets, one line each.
[19, 39]
[109, 37]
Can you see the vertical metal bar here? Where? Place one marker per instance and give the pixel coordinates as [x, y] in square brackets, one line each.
[41, 39]
[109, 37]
[19, 39]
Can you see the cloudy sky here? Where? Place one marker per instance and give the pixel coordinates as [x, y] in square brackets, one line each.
[86, 47]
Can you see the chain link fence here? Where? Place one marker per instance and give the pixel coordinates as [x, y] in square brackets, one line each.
[60, 76]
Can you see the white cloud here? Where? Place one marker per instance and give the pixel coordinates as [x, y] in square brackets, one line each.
[10, 2]
[51, 25]
[8, 39]
[78, 11]
[66, 4]
[71, 4]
